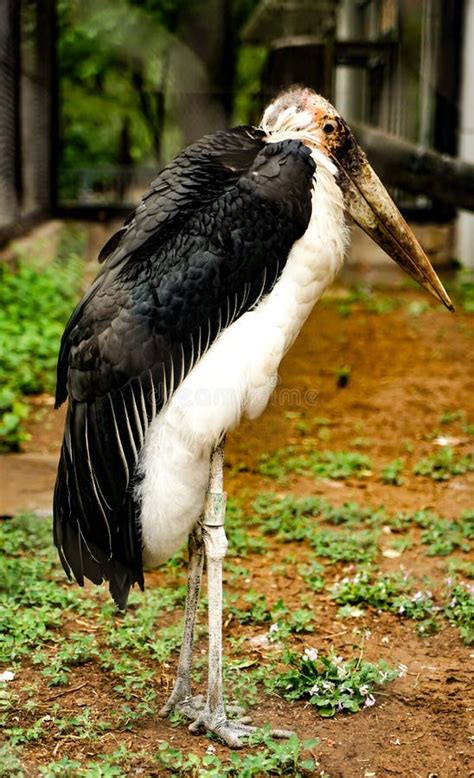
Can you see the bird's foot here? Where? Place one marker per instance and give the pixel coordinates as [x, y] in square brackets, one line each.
[230, 731]
[182, 701]
[187, 704]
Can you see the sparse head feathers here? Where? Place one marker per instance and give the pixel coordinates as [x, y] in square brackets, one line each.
[302, 114]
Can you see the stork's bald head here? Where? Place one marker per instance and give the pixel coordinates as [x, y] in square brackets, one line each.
[302, 114]
[302, 111]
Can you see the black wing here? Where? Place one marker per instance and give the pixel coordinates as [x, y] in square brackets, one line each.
[208, 241]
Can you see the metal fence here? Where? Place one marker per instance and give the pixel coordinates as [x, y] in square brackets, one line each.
[27, 112]
[393, 64]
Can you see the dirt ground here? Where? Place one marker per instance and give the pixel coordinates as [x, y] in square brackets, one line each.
[404, 371]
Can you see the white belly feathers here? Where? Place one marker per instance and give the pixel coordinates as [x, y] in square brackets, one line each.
[234, 378]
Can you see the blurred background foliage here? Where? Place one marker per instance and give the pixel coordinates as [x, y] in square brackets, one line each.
[134, 75]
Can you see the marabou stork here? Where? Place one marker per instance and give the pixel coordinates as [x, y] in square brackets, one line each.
[202, 292]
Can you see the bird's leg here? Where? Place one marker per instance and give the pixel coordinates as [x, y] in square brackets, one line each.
[213, 716]
[181, 698]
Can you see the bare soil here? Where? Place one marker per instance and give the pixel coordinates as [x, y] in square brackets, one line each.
[405, 371]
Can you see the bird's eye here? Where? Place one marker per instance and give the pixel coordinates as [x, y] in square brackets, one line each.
[328, 127]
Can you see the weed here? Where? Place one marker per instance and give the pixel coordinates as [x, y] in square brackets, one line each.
[241, 541]
[319, 464]
[287, 518]
[351, 514]
[461, 567]
[35, 303]
[312, 575]
[293, 519]
[443, 464]
[283, 620]
[443, 536]
[10, 765]
[460, 610]
[387, 593]
[392, 472]
[276, 758]
[449, 416]
[345, 545]
[331, 684]
[78, 650]
[362, 590]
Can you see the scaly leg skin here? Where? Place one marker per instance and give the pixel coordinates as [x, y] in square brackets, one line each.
[181, 698]
[213, 717]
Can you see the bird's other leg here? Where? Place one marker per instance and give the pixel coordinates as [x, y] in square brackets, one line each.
[213, 717]
[181, 698]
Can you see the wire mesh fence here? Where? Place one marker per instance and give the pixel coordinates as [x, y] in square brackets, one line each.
[26, 116]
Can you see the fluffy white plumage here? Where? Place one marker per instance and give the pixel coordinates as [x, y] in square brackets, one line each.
[234, 378]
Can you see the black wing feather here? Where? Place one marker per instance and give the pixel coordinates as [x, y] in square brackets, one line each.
[208, 241]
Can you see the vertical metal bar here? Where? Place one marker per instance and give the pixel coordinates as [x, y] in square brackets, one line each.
[10, 151]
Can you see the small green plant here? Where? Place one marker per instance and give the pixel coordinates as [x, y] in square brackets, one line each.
[318, 464]
[380, 593]
[460, 610]
[330, 683]
[449, 416]
[284, 757]
[443, 536]
[443, 464]
[35, 304]
[10, 765]
[387, 593]
[391, 473]
[313, 575]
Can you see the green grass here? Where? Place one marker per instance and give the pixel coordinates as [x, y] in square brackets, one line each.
[35, 304]
[391, 473]
[64, 634]
[316, 464]
[284, 621]
[444, 464]
[296, 520]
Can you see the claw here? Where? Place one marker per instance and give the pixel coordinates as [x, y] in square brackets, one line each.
[188, 706]
[231, 731]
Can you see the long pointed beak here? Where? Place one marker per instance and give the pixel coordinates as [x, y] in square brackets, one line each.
[372, 208]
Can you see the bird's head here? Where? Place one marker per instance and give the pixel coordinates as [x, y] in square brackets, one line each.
[302, 114]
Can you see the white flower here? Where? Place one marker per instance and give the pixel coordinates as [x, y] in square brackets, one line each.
[350, 692]
[273, 628]
[327, 685]
[311, 654]
[314, 689]
[364, 690]
[7, 675]
[369, 701]
[210, 749]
